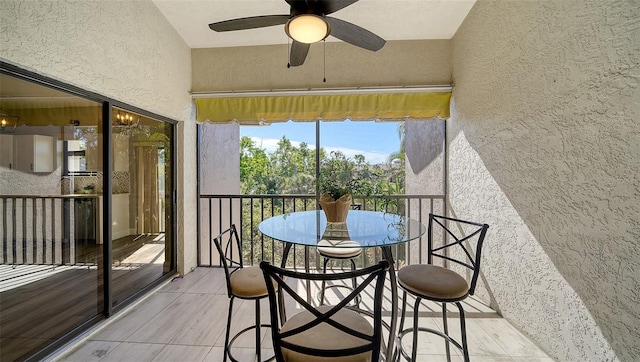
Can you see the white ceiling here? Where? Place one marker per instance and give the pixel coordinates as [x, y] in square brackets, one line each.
[389, 19]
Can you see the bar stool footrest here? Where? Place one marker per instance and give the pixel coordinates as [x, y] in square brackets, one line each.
[250, 328]
[408, 331]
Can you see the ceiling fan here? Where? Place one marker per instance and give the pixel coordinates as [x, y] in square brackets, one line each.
[306, 23]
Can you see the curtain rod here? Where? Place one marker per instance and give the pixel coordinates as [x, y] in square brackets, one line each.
[324, 91]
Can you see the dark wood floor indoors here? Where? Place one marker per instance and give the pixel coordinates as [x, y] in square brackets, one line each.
[40, 303]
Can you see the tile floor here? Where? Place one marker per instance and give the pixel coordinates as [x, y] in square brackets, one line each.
[185, 319]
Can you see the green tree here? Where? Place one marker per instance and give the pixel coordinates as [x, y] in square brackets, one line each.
[291, 170]
[254, 168]
[294, 167]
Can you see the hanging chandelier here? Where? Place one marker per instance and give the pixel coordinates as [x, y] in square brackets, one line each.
[125, 119]
[8, 122]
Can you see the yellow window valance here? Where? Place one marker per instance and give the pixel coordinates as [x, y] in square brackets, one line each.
[252, 110]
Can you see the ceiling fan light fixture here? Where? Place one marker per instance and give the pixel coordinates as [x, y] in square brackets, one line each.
[307, 28]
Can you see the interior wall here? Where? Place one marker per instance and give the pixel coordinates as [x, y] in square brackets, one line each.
[544, 145]
[398, 63]
[125, 50]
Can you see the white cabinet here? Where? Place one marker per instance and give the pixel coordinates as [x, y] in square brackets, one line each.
[6, 151]
[35, 153]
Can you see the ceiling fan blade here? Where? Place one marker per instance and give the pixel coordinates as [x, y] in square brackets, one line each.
[354, 34]
[331, 6]
[298, 53]
[251, 22]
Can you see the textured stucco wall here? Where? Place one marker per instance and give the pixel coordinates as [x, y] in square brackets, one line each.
[424, 172]
[125, 50]
[544, 145]
[219, 159]
[398, 63]
[219, 175]
[424, 143]
[122, 49]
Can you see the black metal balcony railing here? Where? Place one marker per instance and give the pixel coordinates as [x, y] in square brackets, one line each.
[48, 230]
[52, 230]
[218, 212]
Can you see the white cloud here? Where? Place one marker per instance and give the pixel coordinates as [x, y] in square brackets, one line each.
[268, 144]
[271, 144]
[371, 157]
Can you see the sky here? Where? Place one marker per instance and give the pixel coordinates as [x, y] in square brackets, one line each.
[374, 140]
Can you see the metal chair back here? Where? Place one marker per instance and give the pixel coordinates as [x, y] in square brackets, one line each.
[461, 243]
[284, 278]
[230, 252]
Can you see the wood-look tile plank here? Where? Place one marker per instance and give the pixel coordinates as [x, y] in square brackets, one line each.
[163, 327]
[208, 324]
[478, 340]
[510, 339]
[428, 343]
[139, 352]
[482, 358]
[128, 323]
[244, 316]
[182, 284]
[172, 352]
[439, 358]
[213, 281]
[90, 351]
[242, 354]
[474, 305]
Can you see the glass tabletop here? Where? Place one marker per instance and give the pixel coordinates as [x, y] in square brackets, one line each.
[366, 228]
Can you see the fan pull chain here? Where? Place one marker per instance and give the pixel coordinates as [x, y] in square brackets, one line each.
[324, 61]
[288, 53]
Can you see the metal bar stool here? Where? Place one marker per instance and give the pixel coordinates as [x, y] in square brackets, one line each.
[326, 332]
[337, 253]
[440, 284]
[243, 283]
[336, 249]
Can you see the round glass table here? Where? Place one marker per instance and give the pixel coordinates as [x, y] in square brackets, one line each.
[367, 228]
[364, 229]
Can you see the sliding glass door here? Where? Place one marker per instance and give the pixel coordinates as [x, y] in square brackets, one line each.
[140, 202]
[79, 239]
[51, 262]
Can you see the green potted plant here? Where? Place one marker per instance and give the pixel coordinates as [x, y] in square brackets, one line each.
[339, 182]
[89, 189]
[335, 201]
